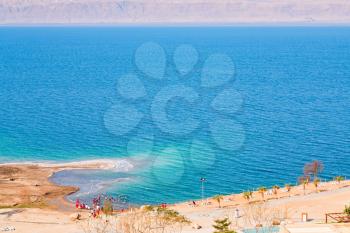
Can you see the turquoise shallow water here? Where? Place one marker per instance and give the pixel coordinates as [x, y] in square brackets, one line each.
[285, 102]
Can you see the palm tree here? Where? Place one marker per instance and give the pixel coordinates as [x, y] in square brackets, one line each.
[339, 179]
[304, 180]
[316, 182]
[275, 188]
[218, 198]
[248, 195]
[262, 191]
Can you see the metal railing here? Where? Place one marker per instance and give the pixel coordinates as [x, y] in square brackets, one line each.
[338, 217]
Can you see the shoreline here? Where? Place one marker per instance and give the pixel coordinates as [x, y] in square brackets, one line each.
[82, 164]
[236, 199]
[38, 203]
[28, 184]
[13, 174]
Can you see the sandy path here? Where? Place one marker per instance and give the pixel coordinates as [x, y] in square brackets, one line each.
[315, 204]
[38, 221]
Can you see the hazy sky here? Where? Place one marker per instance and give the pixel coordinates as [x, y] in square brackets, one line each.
[174, 11]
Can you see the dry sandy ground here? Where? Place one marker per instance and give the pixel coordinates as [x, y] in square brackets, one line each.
[316, 205]
[38, 221]
[28, 185]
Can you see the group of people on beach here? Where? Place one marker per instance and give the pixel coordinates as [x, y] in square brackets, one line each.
[95, 210]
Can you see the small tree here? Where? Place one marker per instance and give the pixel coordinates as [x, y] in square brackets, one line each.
[218, 198]
[304, 180]
[316, 182]
[347, 210]
[222, 226]
[313, 168]
[275, 189]
[108, 207]
[262, 191]
[248, 195]
[339, 179]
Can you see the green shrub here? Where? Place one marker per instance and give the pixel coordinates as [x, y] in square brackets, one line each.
[347, 210]
[222, 226]
[108, 207]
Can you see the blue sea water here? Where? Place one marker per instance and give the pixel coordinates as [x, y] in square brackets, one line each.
[61, 100]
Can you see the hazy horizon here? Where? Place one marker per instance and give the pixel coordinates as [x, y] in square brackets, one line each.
[174, 12]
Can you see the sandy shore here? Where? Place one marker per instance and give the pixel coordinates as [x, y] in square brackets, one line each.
[28, 185]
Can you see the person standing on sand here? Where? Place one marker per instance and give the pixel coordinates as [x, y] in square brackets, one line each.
[237, 213]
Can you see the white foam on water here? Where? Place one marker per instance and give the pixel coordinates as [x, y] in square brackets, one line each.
[123, 165]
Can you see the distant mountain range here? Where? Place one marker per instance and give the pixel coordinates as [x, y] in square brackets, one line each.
[173, 11]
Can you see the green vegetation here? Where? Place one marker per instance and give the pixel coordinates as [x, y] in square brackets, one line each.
[168, 215]
[339, 179]
[222, 226]
[316, 182]
[171, 216]
[148, 208]
[262, 191]
[304, 180]
[248, 195]
[275, 188]
[347, 210]
[108, 207]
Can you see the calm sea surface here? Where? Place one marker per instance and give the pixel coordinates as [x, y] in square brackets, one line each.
[286, 102]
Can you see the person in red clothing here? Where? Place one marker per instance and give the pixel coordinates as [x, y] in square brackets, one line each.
[77, 203]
